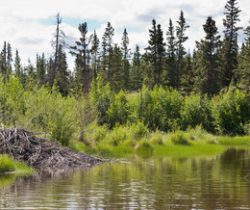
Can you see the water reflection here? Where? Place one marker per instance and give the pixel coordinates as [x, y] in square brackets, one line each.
[221, 182]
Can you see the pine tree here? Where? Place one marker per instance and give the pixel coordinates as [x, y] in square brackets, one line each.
[59, 41]
[9, 59]
[230, 45]
[17, 65]
[136, 77]
[171, 79]
[180, 50]
[188, 77]
[41, 69]
[95, 53]
[244, 64]
[62, 73]
[4, 66]
[156, 51]
[81, 52]
[208, 65]
[116, 68]
[107, 45]
[125, 52]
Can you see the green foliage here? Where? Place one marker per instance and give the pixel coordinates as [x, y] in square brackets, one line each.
[101, 97]
[156, 138]
[51, 114]
[160, 108]
[12, 101]
[6, 164]
[118, 111]
[138, 130]
[179, 138]
[196, 111]
[231, 111]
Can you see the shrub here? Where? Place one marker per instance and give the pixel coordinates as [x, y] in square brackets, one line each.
[156, 138]
[197, 111]
[138, 130]
[6, 164]
[144, 148]
[101, 97]
[179, 138]
[160, 108]
[231, 112]
[117, 135]
[118, 111]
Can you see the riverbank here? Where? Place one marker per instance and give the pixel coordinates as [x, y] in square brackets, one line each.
[126, 141]
[10, 166]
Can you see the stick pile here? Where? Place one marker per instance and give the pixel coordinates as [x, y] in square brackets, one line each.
[41, 153]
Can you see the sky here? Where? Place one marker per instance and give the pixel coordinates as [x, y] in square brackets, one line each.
[29, 25]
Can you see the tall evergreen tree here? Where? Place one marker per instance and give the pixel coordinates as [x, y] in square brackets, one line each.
[208, 64]
[136, 77]
[107, 45]
[125, 52]
[171, 79]
[181, 38]
[230, 45]
[4, 66]
[116, 68]
[17, 65]
[156, 51]
[59, 41]
[41, 69]
[9, 59]
[95, 53]
[244, 64]
[81, 51]
[62, 73]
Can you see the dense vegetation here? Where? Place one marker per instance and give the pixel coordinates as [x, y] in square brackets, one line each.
[8, 165]
[116, 97]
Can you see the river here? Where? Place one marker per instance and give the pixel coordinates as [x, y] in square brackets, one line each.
[219, 182]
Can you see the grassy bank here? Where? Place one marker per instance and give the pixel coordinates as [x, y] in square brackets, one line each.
[125, 141]
[10, 166]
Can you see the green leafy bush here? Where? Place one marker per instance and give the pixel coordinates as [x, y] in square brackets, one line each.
[6, 164]
[118, 111]
[179, 138]
[160, 108]
[231, 112]
[197, 111]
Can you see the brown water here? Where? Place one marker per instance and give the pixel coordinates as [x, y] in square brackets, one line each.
[221, 182]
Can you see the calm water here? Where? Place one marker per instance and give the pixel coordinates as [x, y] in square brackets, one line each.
[221, 182]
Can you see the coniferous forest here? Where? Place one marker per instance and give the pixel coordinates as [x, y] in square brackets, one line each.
[120, 91]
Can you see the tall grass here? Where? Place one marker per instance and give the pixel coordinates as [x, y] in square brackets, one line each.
[7, 165]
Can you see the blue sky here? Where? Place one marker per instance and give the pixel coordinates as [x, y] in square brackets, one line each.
[29, 24]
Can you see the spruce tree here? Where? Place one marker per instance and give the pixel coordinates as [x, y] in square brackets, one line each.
[208, 65]
[171, 79]
[156, 51]
[17, 65]
[125, 52]
[230, 45]
[95, 53]
[62, 73]
[41, 69]
[81, 52]
[107, 45]
[244, 64]
[181, 38]
[136, 77]
[58, 40]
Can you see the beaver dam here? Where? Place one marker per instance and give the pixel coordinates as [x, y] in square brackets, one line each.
[40, 153]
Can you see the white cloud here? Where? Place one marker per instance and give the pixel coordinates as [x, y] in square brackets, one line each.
[21, 24]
